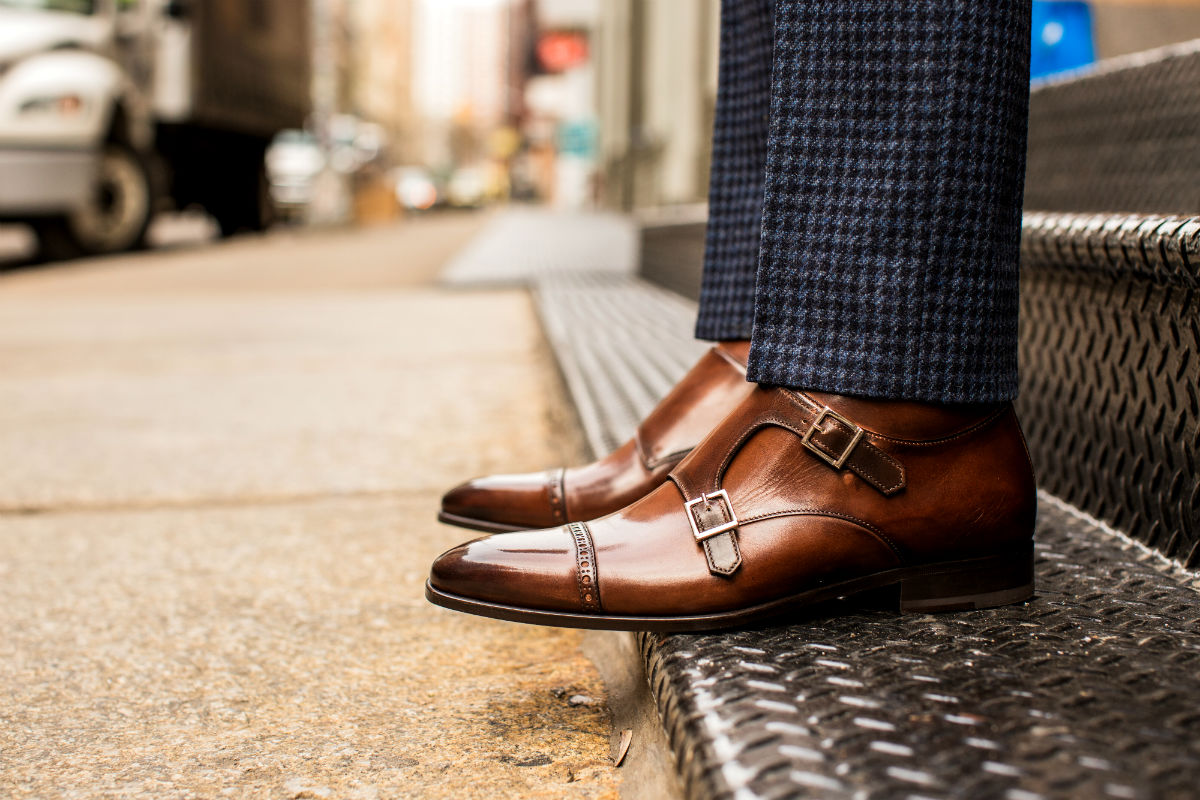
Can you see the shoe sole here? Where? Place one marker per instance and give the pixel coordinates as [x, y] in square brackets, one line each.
[479, 524]
[947, 586]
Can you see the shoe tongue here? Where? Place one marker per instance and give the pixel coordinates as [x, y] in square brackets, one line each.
[906, 419]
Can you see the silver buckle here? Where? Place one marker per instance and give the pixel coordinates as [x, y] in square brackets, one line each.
[707, 499]
[825, 413]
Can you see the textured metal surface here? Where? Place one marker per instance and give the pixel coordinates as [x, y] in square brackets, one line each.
[1164, 251]
[1092, 690]
[1122, 138]
[1110, 360]
[672, 253]
[598, 326]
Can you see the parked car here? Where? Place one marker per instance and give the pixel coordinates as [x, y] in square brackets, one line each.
[294, 160]
[467, 188]
[415, 188]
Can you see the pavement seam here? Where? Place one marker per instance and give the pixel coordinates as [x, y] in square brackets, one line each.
[212, 503]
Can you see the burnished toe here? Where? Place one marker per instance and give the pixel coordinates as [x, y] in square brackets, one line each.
[501, 503]
[535, 569]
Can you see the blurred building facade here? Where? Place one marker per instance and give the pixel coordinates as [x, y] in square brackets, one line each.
[381, 72]
[656, 90]
[630, 115]
[578, 103]
[466, 87]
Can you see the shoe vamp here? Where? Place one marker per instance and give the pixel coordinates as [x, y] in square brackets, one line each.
[695, 406]
[657, 568]
[609, 484]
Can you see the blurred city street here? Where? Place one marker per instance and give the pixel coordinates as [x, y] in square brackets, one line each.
[221, 466]
[276, 275]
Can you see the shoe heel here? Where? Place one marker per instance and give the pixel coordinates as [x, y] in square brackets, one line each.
[980, 583]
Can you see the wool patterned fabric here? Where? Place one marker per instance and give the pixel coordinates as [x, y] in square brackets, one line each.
[890, 222]
[735, 189]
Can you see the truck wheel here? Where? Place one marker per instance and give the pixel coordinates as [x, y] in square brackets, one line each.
[113, 219]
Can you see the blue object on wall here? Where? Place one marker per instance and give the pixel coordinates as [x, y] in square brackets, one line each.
[1062, 36]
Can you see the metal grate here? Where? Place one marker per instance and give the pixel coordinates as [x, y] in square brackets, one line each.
[1091, 690]
[1110, 360]
[1120, 138]
[598, 326]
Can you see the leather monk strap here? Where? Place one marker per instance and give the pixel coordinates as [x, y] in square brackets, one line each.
[833, 438]
[711, 515]
[843, 444]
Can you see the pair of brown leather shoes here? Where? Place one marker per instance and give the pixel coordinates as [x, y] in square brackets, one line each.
[736, 503]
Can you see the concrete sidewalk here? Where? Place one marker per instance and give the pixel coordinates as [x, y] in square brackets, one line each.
[219, 470]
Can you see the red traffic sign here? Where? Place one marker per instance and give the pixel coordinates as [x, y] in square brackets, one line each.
[561, 50]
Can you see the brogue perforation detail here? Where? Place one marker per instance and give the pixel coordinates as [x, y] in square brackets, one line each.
[585, 567]
[557, 495]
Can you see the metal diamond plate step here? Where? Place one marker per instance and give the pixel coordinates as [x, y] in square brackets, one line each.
[1090, 690]
[1110, 370]
[598, 325]
[1121, 136]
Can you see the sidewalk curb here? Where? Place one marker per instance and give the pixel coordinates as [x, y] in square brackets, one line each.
[648, 771]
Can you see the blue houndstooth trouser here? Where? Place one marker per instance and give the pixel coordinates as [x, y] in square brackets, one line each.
[865, 198]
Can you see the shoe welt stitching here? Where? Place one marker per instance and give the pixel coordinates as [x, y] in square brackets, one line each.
[585, 567]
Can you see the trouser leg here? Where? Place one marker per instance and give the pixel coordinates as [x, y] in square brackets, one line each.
[892, 199]
[739, 159]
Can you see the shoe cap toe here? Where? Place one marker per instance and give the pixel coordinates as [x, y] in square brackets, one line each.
[531, 569]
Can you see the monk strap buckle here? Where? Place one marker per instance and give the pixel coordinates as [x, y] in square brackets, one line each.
[834, 461]
[696, 520]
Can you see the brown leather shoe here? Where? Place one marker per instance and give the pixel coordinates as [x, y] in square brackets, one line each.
[793, 499]
[500, 503]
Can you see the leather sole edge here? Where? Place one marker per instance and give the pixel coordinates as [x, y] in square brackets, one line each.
[913, 583]
[479, 524]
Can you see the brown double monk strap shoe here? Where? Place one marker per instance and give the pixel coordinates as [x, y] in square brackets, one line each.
[793, 499]
[500, 503]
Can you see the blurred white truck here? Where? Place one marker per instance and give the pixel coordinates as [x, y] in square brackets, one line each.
[112, 109]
